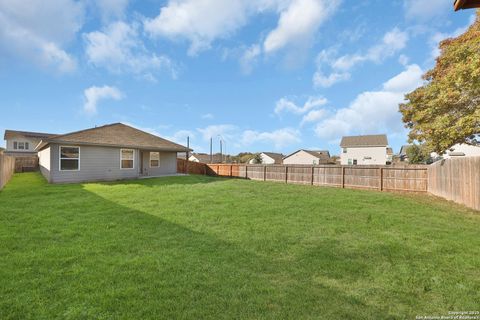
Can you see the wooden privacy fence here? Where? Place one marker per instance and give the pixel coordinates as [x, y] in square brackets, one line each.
[456, 179]
[7, 167]
[391, 178]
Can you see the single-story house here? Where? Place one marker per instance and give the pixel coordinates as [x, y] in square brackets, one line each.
[205, 158]
[269, 158]
[462, 150]
[308, 157]
[365, 150]
[23, 143]
[111, 152]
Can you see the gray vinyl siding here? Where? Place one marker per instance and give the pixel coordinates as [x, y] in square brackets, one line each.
[44, 162]
[168, 164]
[96, 164]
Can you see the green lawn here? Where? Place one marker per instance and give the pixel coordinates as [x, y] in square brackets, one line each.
[209, 248]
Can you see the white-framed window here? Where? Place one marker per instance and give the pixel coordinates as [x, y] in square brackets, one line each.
[154, 159]
[350, 162]
[20, 145]
[127, 158]
[344, 150]
[69, 158]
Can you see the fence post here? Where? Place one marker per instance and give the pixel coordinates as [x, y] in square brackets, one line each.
[231, 166]
[313, 169]
[286, 174]
[205, 169]
[246, 172]
[381, 179]
[343, 177]
[264, 173]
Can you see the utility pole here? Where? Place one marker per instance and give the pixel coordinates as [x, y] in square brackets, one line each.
[187, 154]
[221, 151]
[211, 150]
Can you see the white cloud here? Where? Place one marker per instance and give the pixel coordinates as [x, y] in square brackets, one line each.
[111, 9]
[224, 130]
[38, 31]
[201, 22]
[118, 48]
[279, 138]
[391, 43]
[325, 81]
[403, 60]
[372, 111]
[298, 23]
[198, 21]
[314, 116]
[208, 116]
[426, 10]
[286, 105]
[94, 94]
[249, 58]
[405, 81]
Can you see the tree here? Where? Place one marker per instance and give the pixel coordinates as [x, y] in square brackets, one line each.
[417, 154]
[446, 109]
[257, 158]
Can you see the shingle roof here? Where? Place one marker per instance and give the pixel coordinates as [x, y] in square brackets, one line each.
[403, 149]
[205, 158]
[319, 154]
[39, 135]
[277, 157]
[375, 140]
[115, 135]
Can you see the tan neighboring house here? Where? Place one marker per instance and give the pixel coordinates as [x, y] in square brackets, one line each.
[110, 152]
[269, 158]
[308, 157]
[365, 150]
[23, 143]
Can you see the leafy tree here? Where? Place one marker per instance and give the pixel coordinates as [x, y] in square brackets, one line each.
[417, 154]
[446, 109]
[257, 158]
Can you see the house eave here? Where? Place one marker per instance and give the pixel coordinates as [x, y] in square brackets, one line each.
[44, 144]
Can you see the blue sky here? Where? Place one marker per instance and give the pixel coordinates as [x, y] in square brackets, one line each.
[265, 75]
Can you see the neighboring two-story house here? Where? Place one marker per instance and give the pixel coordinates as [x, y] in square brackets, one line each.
[365, 150]
[23, 143]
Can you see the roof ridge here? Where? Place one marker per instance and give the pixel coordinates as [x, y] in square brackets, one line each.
[84, 130]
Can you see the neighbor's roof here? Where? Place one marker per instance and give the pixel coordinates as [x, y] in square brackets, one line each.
[404, 148]
[277, 157]
[466, 4]
[40, 135]
[375, 140]
[205, 158]
[319, 154]
[115, 135]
